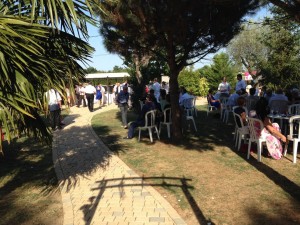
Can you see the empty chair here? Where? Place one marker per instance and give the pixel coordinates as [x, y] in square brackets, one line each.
[293, 135]
[167, 120]
[279, 106]
[194, 106]
[223, 106]
[149, 124]
[210, 108]
[189, 111]
[241, 131]
[251, 103]
[226, 111]
[294, 109]
[255, 127]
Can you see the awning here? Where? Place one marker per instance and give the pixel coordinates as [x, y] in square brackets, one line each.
[106, 75]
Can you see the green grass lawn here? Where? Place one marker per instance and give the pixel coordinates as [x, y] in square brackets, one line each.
[204, 177]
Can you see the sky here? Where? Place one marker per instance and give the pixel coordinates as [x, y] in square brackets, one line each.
[104, 61]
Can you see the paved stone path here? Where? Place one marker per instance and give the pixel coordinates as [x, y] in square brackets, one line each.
[96, 186]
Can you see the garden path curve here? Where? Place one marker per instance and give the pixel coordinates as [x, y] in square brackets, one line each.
[96, 186]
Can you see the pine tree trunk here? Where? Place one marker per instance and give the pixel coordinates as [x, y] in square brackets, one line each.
[176, 112]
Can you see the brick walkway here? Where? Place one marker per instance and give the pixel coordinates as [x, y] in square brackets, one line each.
[96, 186]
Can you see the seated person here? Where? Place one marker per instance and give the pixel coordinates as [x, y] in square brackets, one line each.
[240, 111]
[154, 100]
[148, 106]
[232, 100]
[251, 99]
[271, 131]
[279, 95]
[211, 99]
[184, 95]
[162, 99]
[168, 102]
[268, 94]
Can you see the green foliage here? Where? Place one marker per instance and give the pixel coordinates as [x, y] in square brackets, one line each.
[193, 82]
[179, 33]
[247, 49]
[203, 86]
[118, 69]
[189, 79]
[281, 66]
[221, 67]
[90, 70]
[39, 49]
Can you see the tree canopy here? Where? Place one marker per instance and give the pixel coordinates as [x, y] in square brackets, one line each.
[291, 7]
[221, 67]
[247, 47]
[280, 68]
[178, 32]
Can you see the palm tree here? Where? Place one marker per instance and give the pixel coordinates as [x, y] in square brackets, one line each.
[41, 45]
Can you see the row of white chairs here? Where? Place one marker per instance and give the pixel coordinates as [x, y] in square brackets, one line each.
[150, 124]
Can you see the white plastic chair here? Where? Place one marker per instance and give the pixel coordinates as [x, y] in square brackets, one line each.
[293, 136]
[294, 109]
[227, 110]
[223, 105]
[189, 111]
[255, 128]
[242, 131]
[149, 124]
[194, 106]
[279, 106]
[210, 108]
[251, 103]
[166, 121]
[236, 127]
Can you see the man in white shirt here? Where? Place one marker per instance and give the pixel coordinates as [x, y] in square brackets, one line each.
[54, 105]
[224, 87]
[241, 84]
[81, 96]
[90, 91]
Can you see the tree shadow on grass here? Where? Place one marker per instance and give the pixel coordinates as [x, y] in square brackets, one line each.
[27, 165]
[290, 187]
[212, 132]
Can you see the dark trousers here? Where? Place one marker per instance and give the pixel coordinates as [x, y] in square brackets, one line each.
[81, 98]
[132, 127]
[124, 109]
[77, 99]
[90, 100]
[55, 118]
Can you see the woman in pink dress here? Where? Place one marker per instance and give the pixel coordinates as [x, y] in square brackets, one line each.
[271, 131]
